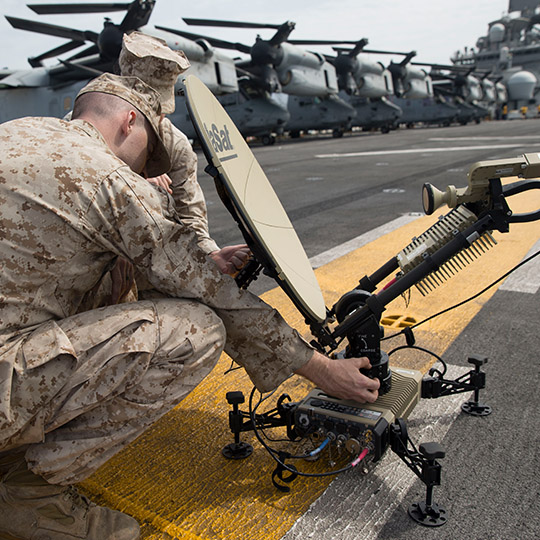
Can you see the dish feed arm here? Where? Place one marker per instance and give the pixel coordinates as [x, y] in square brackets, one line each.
[455, 240]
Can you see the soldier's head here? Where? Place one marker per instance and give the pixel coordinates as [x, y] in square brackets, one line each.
[127, 112]
[151, 59]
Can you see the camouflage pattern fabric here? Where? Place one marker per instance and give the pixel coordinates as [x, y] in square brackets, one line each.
[186, 190]
[151, 59]
[189, 203]
[131, 364]
[68, 208]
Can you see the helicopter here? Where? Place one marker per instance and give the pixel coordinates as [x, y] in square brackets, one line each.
[385, 97]
[214, 68]
[474, 94]
[373, 84]
[364, 84]
[413, 93]
[275, 64]
[51, 90]
[305, 81]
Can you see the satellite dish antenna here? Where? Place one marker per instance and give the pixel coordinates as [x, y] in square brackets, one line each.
[252, 201]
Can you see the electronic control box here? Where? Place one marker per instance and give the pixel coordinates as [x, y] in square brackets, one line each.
[359, 425]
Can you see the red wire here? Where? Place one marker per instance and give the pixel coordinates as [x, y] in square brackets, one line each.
[362, 455]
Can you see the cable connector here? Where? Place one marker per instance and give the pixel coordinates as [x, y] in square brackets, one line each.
[409, 336]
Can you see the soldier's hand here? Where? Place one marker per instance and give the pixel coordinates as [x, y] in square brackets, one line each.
[341, 377]
[230, 259]
[163, 180]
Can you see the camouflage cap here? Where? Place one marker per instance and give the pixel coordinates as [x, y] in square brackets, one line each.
[145, 99]
[151, 59]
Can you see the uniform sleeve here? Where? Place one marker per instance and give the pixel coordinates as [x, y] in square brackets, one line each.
[187, 193]
[128, 216]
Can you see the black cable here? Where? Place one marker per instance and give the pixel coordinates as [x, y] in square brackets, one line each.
[263, 431]
[231, 368]
[417, 347]
[524, 261]
[272, 452]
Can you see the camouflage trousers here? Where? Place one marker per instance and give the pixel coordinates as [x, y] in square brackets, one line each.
[134, 362]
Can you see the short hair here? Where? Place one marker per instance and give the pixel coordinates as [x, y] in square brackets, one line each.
[100, 104]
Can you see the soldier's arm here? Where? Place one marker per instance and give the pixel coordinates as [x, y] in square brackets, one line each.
[186, 191]
[127, 216]
[190, 205]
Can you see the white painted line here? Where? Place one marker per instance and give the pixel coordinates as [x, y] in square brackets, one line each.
[418, 150]
[362, 240]
[501, 138]
[356, 506]
[526, 278]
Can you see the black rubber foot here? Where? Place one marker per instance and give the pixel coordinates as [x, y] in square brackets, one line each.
[434, 517]
[239, 450]
[476, 409]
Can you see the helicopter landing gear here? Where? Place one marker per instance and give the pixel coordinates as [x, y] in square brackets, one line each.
[268, 140]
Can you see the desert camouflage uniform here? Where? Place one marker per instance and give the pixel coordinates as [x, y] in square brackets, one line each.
[189, 203]
[186, 191]
[77, 387]
[151, 59]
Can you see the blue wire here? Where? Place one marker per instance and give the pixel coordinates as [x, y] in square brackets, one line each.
[320, 448]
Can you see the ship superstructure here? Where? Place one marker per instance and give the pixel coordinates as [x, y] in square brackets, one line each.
[510, 51]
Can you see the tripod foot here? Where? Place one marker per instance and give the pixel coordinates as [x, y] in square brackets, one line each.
[476, 409]
[429, 516]
[240, 450]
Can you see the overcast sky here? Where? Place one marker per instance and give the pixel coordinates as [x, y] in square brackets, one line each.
[435, 29]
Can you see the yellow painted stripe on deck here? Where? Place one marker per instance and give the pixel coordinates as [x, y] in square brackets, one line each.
[174, 480]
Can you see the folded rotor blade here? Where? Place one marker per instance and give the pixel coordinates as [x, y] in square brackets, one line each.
[220, 43]
[85, 70]
[227, 24]
[89, 51]
[282, 34]
[36, 61]
[348, 51]
[357, 49]
[138, 15]
[389, 52]
[462, 69]
[320, 42]
[52, 29]
[59, 9]
[138, 11]
[408, 58]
